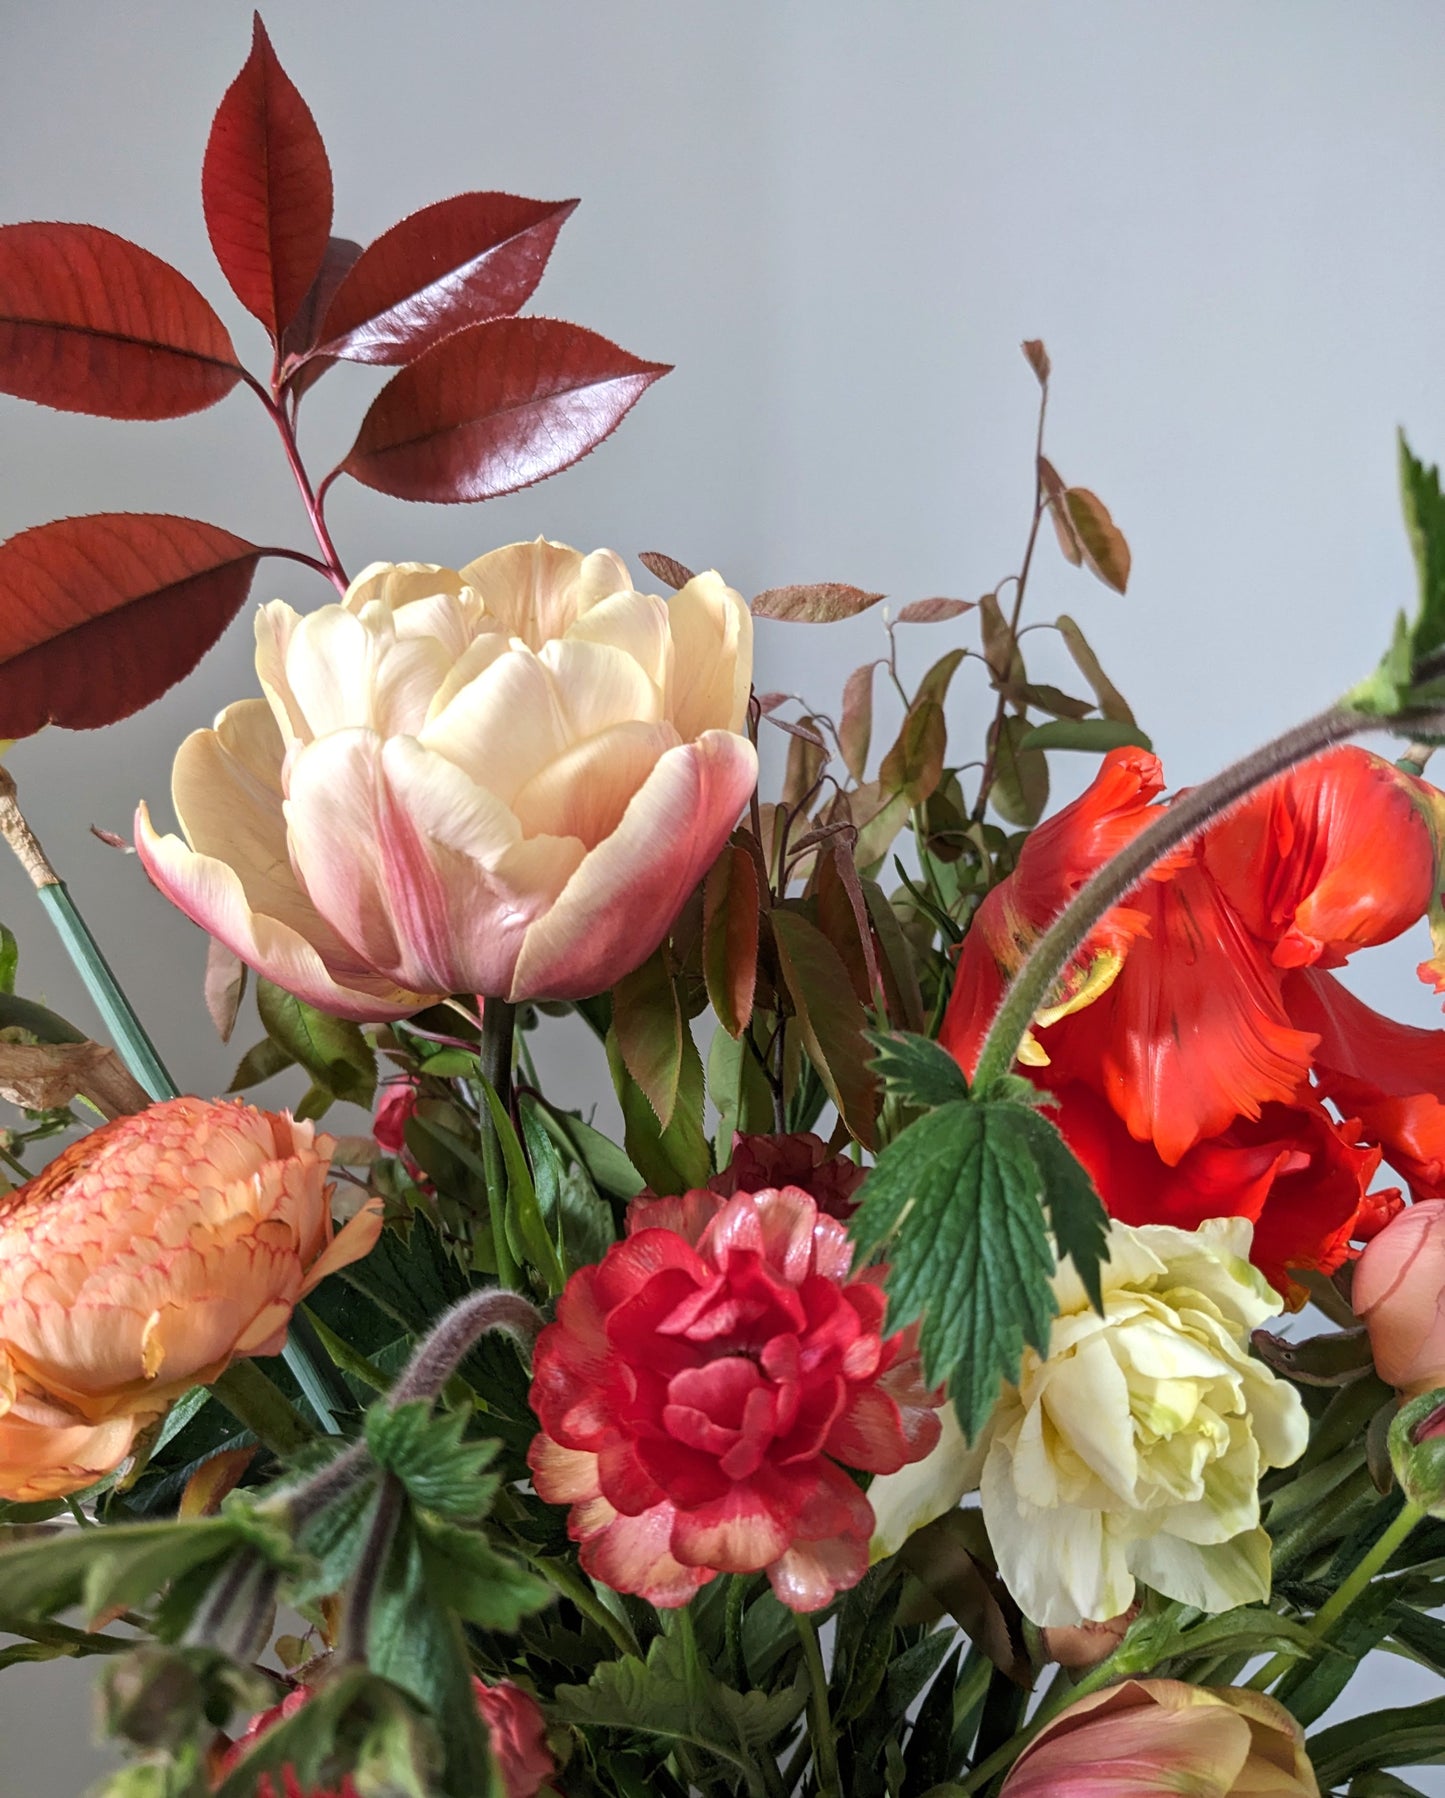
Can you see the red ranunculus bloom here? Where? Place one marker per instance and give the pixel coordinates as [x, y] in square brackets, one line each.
[1197, 1034]
[703, 1389]
[517, 1729]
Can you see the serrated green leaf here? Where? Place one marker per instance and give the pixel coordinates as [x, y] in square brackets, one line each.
[469, 1576]
[956, 1203]
[260, 1062]
[607, 1165]
[829, 1016]
[579, 1220]
[334, 1052]
[122, 1564]
[1424, 509]
[333, 1540]
[915, 1069]
[425, 1451]
[1077, 1217]
[1095, 736]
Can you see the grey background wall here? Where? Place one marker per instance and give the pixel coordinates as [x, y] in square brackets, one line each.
[838, 220]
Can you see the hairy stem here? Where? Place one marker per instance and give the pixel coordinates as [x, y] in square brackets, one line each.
[366, 1582]
[452, 1339]
[1172, 826]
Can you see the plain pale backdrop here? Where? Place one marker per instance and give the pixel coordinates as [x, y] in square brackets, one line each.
[838, 220]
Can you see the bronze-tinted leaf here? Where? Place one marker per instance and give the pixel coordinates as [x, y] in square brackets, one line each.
[830, 1018]
[1020, 789]
[879, 815]
[1101, 540]
[1054, 490]
[90, 322]
[648, 1024]
[494, 408]
[934, 611]
[939, 678]
[667, 569]
[807, 758]
[1038, 359]
[100, 615]
[473, 257]
[1050, 699]
[1095, 736]
[266, 189]
[855, 726]
[914, 765]
[843, 917]
[1112, 702]
[900, 976]
[677, 1158]
[730, 899]
[216, 1476]
[767, 703]
[1000, 645]
[824, 602]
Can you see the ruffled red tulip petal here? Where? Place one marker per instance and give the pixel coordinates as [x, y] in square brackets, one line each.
[703, 1389]
[1298, 1174]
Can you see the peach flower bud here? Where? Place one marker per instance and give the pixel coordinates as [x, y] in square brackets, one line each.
[140, 1263]
[1399, 1291]
[1080, 1646]
[1160, 1738]
[502, 781]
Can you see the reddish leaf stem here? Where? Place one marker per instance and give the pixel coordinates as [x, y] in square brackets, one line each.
[313, 500]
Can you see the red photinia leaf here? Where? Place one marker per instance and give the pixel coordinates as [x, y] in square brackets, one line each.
[90, 322]
[668, 569]
[304, 369]
[100, 615]
[466, 259]
[495, 407]
[822, 603]
[730, 937]
[934, 611]
[266, 188]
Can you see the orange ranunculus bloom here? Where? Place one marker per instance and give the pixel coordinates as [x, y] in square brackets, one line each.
[141, 1262]
[1197, 1035]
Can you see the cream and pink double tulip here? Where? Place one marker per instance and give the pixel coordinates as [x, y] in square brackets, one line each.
[502, 780]
[1399, 1290]
[1160, 1738]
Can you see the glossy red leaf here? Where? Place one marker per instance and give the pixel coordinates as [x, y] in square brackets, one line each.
[494, 408]
[466, 259]
[90, 322]
[823, 602]
[266, 188]
[667, 569]
[730, 900]
[299, 338]
[100, 615]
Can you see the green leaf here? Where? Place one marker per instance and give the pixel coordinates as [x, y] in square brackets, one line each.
[9, 959]
[1413, 1736]
[578, 1219]
[829, 1016]
[1077, 1217]
[610, 1170]
[1424, 508]
[1101, 540]
[526, 1228]
[472, 1578]
[1020, 789]
[916, 1070]
[1112, 702]
[259, 1063]
[677, 1158]
[123, 1564]
[333, 1051]
[426, 1452]
[913, 767]
[956, 1203]
[1096, 736]
[649, 1026]
[739, 1089]
[900, 977]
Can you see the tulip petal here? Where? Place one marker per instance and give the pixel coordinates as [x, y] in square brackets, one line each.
[536, 589]
[712, 634]
[637, 624]
[625, 893]
[586, 790]
[504, 726]
[598, 685]
[212, 895]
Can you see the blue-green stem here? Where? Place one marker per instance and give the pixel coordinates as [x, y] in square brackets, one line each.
[1174, 825]
[315, 1373]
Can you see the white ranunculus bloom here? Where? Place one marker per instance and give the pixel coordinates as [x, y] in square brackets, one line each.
[1134, 1448]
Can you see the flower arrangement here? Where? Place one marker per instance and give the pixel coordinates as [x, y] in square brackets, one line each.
[891, 1412]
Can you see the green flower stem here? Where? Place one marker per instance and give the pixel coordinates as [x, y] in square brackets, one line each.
[825, 1748]
[1172, 826]
[1349, 1589]
[499, 1023]
[256, 1401]
[316, 1373]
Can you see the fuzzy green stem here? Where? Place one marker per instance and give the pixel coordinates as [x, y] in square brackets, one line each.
[1172, 827]
[1348, 1591]
[499, 1023]
[825, 1748]
[256, 1401]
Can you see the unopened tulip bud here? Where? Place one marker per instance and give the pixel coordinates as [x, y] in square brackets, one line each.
[1399, 1291]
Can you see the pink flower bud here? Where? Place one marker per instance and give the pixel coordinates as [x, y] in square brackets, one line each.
[1399, 1291]
[1160, 1738]
[1080, 1646]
